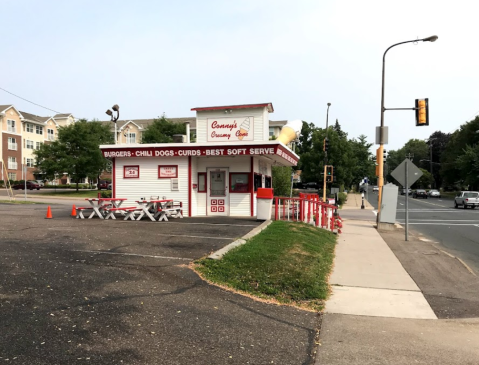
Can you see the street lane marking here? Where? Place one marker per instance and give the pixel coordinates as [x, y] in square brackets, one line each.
[440, 224]
[443, 220]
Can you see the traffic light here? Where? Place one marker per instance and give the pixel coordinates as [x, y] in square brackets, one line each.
[326, 145]
[422, 112]
[329, 173]
[385, 155]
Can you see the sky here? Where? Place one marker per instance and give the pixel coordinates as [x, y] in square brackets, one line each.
[155, 57]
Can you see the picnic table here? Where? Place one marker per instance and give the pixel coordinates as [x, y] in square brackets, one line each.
[99, 206]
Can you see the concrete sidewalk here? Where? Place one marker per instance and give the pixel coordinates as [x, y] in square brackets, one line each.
[377, 314]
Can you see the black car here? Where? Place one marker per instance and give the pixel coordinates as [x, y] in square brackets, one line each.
[420, 194]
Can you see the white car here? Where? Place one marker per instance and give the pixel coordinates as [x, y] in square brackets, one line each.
[109, 186]
[375, 188]
[434, 193]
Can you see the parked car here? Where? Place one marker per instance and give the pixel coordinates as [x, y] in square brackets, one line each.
[433, 193]
[39, 182]
[403, 191]
[419, 193]
[375, 188]
[102, 184]
[109, 186]
[467, 199]
[30, 186]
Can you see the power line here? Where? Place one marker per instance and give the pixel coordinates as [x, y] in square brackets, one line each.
[31, 102]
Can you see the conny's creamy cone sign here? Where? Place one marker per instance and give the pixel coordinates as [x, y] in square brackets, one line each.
[230, 129]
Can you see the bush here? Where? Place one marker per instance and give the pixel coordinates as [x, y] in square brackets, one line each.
[342, 197]
[106, 194]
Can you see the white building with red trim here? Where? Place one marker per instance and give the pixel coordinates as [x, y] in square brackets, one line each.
[217, 175]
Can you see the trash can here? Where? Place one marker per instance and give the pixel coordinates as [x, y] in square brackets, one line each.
[264, 197]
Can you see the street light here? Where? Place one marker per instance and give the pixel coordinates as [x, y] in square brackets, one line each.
[381, 130]
[116, 109]
[325, 156]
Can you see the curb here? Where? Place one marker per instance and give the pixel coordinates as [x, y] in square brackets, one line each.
[241, 241]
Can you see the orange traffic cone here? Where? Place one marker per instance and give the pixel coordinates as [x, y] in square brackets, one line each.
[49, 213]
[74, 211]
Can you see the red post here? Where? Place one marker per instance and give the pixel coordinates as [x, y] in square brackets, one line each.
[99, 194]
[276, 208]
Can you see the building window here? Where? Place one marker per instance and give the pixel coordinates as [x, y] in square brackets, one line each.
[29, 127]
[29, 144]
[30, 162]
[12, 144]
[37, 145]
[271, 131]
[12, 176]
[51, 134]
[267, 182]
[39, 129]
[258, 181]
[239, 182]
[201, 182]
[12, 163]
[11, 126]
[131, 138]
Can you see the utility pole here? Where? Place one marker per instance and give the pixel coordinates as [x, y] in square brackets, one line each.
[326, 146]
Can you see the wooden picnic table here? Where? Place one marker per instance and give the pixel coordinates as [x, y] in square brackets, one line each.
[100, 204]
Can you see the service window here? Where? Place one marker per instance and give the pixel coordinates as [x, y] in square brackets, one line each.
[201, 182]
[239, 182]
[258, 181]
[267, 182]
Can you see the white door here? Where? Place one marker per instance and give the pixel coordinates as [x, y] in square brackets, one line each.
[218, 201]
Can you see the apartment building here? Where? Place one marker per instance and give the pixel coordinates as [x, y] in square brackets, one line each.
[21, 134]
[131, 131]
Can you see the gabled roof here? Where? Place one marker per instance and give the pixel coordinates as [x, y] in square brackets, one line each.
[34, 118]
[4, 108]
[144, 123]
[62, 116]
[130, 122]
[242, 106]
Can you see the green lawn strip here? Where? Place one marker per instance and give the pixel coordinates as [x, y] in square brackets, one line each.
[289, 262]
[73, 194]
[18, 202]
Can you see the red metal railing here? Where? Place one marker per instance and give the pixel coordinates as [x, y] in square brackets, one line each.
[308, 208]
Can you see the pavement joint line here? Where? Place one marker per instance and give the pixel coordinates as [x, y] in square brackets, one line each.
[184, 235]
[219, 224]
[132, 254]
[372, 287]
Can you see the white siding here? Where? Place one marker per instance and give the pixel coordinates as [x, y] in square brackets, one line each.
[260, 115]
[239, 203]
[194, 180]
[148, 184]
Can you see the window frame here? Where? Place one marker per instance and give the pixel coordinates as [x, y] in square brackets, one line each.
[32, 143]
[29, 127]
[30, 162]
[167, 177]
[206, 182]
[11, 126]
[254, 180]
[248, 184]
[50, 134]
[128, 137]
[39, 128]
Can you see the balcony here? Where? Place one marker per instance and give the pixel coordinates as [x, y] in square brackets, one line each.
[12, 146]
[51, 137]
[12, 165]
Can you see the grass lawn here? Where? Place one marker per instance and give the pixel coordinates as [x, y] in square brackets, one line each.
[73, 193]
[288, 262]
[18, 202]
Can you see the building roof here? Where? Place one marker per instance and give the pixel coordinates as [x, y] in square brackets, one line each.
[34, 118]
[277, 123]
[4, 107]
[61, 116]
[242, 106]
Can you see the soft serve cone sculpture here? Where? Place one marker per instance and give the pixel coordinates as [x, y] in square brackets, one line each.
[244, 129]
[290, 131]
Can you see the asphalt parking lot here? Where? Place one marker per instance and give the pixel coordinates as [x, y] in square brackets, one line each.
[114, 292]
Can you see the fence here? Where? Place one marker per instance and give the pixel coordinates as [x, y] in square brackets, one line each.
[308, 208]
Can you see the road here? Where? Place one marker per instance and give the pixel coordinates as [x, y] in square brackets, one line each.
[453, 230]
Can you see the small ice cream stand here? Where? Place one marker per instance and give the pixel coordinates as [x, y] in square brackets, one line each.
[219, 174]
